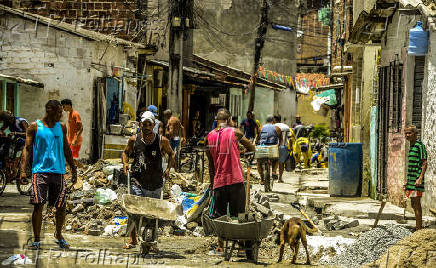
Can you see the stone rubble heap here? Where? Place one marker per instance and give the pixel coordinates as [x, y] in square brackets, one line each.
[85, 214]
[369, 246]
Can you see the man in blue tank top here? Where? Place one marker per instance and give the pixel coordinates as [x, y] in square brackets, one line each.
[47, 147]
[269, 135]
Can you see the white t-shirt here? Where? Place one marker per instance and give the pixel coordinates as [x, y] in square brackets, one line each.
[283, 127]
[285, 131]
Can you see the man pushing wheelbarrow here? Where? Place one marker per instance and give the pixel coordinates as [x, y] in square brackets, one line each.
[226, 176]
[147, 174]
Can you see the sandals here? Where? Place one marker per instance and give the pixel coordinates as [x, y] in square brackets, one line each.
[129, 246]
[35, 246]
[62, 243]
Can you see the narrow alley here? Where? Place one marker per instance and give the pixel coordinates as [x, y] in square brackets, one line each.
[228, 133]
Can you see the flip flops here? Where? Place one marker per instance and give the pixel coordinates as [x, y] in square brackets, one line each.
[62, 243]
[129, 246]
[35, 246]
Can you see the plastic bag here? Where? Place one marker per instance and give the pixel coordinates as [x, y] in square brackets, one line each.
[114, 230]
[86, 186]
[104, 196]
[120, 220]
[109, 170]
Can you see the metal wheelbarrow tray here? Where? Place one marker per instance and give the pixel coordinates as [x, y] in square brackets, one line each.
[141, 210]
[150, 208]
[231, 231]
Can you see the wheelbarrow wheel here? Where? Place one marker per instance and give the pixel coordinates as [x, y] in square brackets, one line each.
[252, 250]
[145, 248]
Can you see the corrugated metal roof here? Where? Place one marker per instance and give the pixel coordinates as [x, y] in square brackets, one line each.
[73, 29]
[22, 80]
[428, 10]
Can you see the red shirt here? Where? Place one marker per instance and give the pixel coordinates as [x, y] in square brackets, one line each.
[223, 147]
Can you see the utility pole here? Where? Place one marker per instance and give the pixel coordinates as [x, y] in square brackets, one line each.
[178, 22]
[258, 46]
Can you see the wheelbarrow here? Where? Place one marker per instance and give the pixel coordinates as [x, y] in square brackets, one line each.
[144, 213]
[233, 232]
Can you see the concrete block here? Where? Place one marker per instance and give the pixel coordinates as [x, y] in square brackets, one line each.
[262, 209]
[246, 217]
[266, 204]
[192, 225]
[352, 224]
[81, 52]
[64, 52]
[94, 232]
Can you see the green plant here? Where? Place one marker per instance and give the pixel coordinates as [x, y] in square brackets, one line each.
[320, 131]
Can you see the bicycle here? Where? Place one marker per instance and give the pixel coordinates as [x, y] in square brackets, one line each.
[193, 153]
[7, 163]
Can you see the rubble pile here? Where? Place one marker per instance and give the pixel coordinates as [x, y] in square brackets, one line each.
[369, 246]
[416, 250]
[95, 200]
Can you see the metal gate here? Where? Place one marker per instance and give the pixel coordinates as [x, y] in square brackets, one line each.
[417, 93]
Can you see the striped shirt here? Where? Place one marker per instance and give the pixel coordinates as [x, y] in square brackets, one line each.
[417, 154]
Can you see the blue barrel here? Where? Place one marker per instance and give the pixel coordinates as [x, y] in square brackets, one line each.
[345, 169]
[418, 40]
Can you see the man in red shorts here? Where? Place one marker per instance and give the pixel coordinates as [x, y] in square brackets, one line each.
[416, 168]
[75, 129]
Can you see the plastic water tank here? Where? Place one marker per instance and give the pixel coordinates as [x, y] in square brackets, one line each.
[345, 169]
[418, 40]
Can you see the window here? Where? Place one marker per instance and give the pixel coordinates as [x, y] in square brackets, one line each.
[396, 71]
[8, 96]
[417, 92]
[391, 84]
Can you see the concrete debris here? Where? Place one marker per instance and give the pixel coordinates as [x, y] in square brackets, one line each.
[192, 225]
[82, 208]
[334, 223]
[78, 208]
[369, 246]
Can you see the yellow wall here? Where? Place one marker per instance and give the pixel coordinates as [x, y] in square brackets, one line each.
[308, 115]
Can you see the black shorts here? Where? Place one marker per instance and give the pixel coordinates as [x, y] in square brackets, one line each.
[50, 184]
[231, 195]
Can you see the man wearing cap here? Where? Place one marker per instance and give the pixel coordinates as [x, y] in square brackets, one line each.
[158, 127]
[147, 149]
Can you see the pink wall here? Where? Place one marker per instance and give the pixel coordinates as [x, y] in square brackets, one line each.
[396, 167]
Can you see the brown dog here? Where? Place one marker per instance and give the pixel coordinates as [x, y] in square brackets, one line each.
[292, 231]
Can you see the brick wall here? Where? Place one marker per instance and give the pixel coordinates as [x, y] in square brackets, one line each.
[116, 17]
[314, 41]
[62, 62]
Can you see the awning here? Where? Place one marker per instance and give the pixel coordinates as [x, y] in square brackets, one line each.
[22, 80]
[327, 87]
[215, 73]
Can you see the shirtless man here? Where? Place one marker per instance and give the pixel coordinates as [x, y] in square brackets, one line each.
[174, 131]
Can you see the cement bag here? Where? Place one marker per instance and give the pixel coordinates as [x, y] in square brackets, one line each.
[193, 205]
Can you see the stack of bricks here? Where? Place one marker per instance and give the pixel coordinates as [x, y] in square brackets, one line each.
[116, 17]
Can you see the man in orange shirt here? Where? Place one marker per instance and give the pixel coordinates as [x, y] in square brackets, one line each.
[75, 129]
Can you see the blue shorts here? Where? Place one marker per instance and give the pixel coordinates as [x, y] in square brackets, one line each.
[283, 153]
[139, 191]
